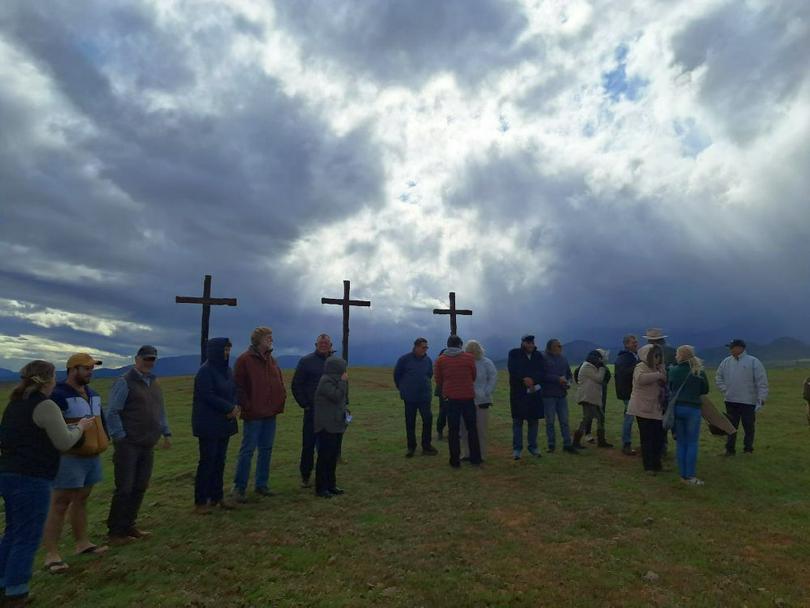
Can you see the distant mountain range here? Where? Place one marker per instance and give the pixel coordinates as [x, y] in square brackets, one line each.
[782, 351]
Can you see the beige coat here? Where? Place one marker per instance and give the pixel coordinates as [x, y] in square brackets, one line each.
[589, 389]
[646, 388]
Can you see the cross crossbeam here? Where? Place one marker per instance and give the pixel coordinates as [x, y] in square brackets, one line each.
[346, 303]
[207, 302]
[453, 312]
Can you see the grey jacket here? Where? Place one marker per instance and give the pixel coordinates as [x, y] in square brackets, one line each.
[589, 389]
[330, 398]
[742, 380]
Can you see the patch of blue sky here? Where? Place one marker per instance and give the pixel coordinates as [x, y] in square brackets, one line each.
[693, 139]
[617, 84]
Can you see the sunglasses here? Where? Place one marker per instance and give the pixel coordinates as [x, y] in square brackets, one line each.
[149, 358]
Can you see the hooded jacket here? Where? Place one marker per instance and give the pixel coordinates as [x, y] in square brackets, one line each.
[260, 388]
[525, 406]
[330, 397]
[214, 394]
[455, 372]
[645, 400]
[591, 381]
[412, 376]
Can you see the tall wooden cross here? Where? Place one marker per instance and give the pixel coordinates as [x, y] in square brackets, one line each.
[207, 302]
[345, 302]
[453, 312]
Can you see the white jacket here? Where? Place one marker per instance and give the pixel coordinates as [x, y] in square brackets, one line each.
[742, 380]
[486, 376]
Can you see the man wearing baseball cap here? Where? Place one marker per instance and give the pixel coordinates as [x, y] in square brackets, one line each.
[78, 472]
[137, 418]
[743, 382]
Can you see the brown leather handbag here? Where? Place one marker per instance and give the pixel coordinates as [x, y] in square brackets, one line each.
[95, 439]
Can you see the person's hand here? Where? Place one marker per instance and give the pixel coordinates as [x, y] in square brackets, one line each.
[563, 381]
[167, 443]
[759, 406]
[86, 423]
[528, 382]
[345, 376]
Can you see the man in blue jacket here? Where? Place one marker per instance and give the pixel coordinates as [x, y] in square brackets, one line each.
[556, 382]
[412, 376]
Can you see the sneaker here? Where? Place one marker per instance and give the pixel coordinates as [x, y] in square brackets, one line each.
[535, 453]
[264, 492]
[692, 481]
[516, 455]
[628, 450]
[429, 451]
[589, 439]
[305, 483]
[337, 491]
[409, 454]
[136, 533]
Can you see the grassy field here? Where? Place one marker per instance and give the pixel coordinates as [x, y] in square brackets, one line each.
[556, 531]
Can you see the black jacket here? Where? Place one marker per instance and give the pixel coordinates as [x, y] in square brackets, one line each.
[305, 379]
[214, 394]
[624, 366]
[525, 406]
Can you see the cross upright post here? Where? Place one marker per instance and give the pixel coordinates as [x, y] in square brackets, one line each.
[453, 312]
[346, 303]
[207, 302]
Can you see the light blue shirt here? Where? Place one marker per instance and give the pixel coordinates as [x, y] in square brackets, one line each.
[118, 398]
[742, 380]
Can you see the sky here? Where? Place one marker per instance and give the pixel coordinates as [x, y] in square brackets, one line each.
[568, 168]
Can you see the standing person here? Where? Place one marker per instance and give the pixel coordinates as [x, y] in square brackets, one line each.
[656, 336]
[329, 423]
[555, 390]
[526, 373]
[260, 394]
[136, 417]
[806, 396]
[649, 380]
[32, 433]
[213, 421]
[456, 373]
[592, 379]
[486, 378]
[305, 380]
[412, 375]
[441, 417]
[80, 469]
[687, 383]
[626, 362]
[743, 382]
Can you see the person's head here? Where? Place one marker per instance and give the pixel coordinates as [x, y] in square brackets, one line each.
[595, 357]
[736, 347]
[323, 344]
[420, 347]
[37, 376]
[145, 359]
[655, 335]
[218, 350]
[630, 343]
[652, 355]
[527, 343]
[475, 349]
[554, 347]
[80, 369]
[686, 353]
[261, 339]
[335, 366]
[454, 342]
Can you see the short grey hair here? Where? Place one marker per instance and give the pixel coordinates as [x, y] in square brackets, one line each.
[626, 340]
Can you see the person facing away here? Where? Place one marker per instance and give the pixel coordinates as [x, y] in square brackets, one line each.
[555, 386]
[526, 373]
[456, 373]
[743, 382]
[261, 395]
[625, 363]
[213, 421]
[649, 380]
[687, 384]
[329, 424]
[486, 379]
[33, 432]
[136, 418]
[305, 380]
[412, 375]
[80, 469]
[590, 391]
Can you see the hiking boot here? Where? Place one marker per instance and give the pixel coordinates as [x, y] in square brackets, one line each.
[602, 443]
[516, 455]
[238, 496]
[429, 451]
[577, 441]
[305, 483]
[409, 454]
[337, 491]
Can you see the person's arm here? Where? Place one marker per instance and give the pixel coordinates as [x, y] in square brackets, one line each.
[298, 387]
[242, 380]
[398, 371]
[649, 377]
[332, 390]
[589, 372]
[48, 417]
[761, 382]
[719, 377]
[115, 404]
[205, 386]
[492, 377]
[437, 371]
[704, 384]
[281, 383]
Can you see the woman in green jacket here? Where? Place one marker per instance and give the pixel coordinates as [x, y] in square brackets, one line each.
[688, 380]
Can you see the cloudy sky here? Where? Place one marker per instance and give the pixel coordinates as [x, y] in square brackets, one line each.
[566, 167]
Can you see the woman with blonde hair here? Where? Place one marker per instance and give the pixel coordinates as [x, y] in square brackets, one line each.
[32, 434]
[688, 382]
[486, 377]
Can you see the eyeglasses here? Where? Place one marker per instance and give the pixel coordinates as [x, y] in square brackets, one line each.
[149, 358]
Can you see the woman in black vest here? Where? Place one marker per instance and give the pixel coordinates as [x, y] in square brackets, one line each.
[32, 433]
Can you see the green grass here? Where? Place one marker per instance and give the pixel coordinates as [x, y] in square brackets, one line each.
[559, 531]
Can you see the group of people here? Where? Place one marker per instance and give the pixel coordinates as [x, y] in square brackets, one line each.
[52, 434]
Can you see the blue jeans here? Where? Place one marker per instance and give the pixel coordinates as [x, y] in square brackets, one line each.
[556, 406]
[27, 501]
[687, 433]
[627, 426]
[256, 434]
[531, 434]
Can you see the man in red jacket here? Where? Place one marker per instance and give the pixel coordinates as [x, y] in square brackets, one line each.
[261, 394]
[455, 373]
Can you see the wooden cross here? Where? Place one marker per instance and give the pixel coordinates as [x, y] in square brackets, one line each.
[207, 302]
[452, 311]
[345, 302]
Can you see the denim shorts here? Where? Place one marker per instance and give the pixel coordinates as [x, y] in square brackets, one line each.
[76, 472]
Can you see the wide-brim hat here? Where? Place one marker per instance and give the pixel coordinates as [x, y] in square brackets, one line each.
[654, 333]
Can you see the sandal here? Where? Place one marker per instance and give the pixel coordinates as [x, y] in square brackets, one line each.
[93, 550]
[56, 567]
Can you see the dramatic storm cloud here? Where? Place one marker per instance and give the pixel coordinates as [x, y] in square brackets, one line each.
[566, 167]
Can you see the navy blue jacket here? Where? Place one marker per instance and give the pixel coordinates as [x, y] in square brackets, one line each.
[412, 376]
[624, 366]
[214, 394]
[305, 379]
[556, 366]
[525, 406]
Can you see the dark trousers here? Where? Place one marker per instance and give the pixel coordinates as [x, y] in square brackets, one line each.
[738, 412]
[210, 470]
[327, 461]
[307, 443]
[411, 408]
[652, 438]
[133, 470]
[441, 419]
[456, 410]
